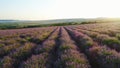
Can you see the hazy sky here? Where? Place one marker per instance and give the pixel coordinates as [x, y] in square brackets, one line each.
[58, 9]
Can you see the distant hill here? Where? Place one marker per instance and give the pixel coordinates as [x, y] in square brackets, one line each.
[78, 20]
[7, 21]
[43, 21]
[16, 24]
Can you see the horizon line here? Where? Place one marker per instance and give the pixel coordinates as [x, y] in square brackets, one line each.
[61, 19]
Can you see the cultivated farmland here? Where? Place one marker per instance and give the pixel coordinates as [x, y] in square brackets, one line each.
[78, 46]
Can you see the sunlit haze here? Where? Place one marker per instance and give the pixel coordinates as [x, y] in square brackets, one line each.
[58, 9]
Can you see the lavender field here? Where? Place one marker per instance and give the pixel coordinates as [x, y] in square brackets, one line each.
[77, 46]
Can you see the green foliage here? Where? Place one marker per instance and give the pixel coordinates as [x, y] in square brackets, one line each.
[111, 41]
[86, 42]
[35, 40]
[7, 62]
[29, 25]
[64, 47]
[1, 45]
[22, 41]
[118, 36]
[24, 52]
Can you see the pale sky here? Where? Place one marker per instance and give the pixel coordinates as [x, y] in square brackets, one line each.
[58, 9]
